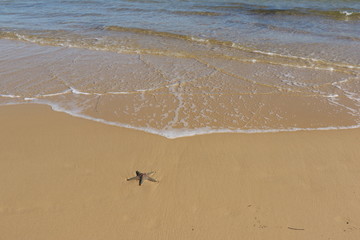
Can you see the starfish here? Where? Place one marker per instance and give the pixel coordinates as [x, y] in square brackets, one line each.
[142, 176]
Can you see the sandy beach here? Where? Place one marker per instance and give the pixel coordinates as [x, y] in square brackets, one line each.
[248, 112]
[63, 177]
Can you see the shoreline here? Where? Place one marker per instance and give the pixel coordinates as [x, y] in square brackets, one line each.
[175, 133]
[65, 178]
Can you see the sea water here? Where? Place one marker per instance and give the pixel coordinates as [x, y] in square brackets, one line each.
[179, 68]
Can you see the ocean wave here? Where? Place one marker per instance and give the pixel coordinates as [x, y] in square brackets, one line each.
[123, 45]
[342, 15]
[266, 10]
[166, 11]
[197, 13]
[212, 41]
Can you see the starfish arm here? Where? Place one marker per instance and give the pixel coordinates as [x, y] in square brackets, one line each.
[133, 178]
[141, 180]
[149, 173]
[152, 179]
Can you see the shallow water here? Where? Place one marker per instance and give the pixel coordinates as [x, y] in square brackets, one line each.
[179, 68]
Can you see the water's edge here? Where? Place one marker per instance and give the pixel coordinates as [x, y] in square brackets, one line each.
[181, 133]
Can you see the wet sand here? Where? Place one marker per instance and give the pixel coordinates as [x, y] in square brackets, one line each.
[63, 177]
[202, 90]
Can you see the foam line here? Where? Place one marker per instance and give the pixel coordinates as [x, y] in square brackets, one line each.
[55, 94]
[180, 133]
[9, 96]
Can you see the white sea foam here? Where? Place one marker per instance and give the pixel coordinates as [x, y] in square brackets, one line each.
[201, 40]
[120, 93]
[29, 99]
[172, 133]
[75, 91]
[346, 13]
[9, 96]
[55, 94]
[332, 96]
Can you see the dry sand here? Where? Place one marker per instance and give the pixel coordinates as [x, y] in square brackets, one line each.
[65, 178]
